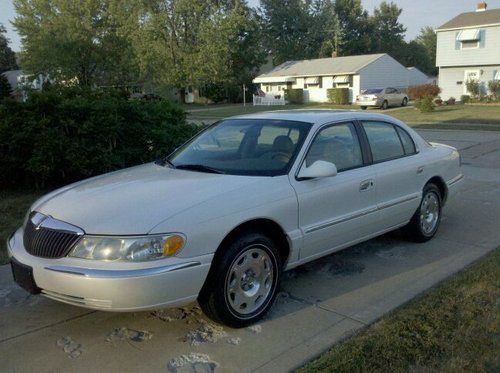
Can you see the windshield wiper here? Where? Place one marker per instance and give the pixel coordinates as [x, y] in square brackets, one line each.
[199, 167]
[164, 161]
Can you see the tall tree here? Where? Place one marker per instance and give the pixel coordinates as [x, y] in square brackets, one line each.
[355, 26]
[5, 88]
[388, 32]
[7, 55]
[428, 39]
[193, 42]
[86, 40]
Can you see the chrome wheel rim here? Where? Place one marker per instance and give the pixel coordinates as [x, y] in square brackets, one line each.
[429, 212]
[250, 280]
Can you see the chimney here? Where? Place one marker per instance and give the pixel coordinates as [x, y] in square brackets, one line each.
[334, 54]
[481, 7]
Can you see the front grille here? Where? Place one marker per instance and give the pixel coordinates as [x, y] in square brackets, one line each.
[47, 237]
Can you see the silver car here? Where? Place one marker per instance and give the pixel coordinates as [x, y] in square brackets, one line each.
[382, 98]
[221, 218]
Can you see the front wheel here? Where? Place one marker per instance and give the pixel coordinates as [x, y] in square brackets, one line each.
[385, 105]
[241, 286]
[425, 222]
[363, 107]
[405, 102]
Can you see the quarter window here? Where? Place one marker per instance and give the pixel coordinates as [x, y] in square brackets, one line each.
[337, 144]
[384, 141]
[408, 144]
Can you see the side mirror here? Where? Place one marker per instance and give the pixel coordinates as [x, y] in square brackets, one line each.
[317, 169]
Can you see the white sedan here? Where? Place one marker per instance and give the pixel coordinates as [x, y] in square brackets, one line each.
[221, 218]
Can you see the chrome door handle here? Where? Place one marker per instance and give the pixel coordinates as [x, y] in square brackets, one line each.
[420, 169]
[365, 185]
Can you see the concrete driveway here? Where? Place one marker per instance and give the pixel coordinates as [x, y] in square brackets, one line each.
[319, 303]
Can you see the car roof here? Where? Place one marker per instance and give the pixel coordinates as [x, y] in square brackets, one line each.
[316, 116]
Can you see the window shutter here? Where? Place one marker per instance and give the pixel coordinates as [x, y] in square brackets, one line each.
[457, 40]
[482, 37]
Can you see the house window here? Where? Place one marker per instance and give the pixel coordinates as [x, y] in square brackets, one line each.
[470, 44]
[469, 38]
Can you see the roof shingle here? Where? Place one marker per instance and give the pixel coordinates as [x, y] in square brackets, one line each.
[471, 19]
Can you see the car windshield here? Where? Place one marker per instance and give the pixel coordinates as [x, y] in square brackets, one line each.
[257, 147]
[372, 91]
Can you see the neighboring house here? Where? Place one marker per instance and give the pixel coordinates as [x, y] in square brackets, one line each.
[354, 72]
[468, 48]
[19, 80]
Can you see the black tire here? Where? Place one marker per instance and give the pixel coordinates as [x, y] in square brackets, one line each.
[405, 102]
[363, 107]
[213, 298]
[414, 230]
[385, 105]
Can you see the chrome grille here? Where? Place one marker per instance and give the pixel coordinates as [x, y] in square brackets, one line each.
[47, 237]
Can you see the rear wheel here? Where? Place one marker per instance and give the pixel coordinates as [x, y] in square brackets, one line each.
[363, 107]
[242, 283]
[405, 102]
[425, 222]
[385, 105]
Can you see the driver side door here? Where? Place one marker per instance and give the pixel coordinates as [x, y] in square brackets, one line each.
[336, 211]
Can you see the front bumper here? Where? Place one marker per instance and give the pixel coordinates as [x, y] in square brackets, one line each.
[115, 286]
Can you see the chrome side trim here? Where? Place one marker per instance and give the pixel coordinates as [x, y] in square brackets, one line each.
[117, 274]
[341, 220]
[397, 202]
[455, 180]
[361, 213]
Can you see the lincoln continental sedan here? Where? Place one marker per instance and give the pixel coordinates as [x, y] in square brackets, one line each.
[220, 219]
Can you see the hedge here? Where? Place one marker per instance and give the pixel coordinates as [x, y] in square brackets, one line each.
[294, 95]
[338, 96]
[61, 135]
[418, 92]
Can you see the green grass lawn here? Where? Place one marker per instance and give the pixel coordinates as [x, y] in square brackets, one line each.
[13, 208]
[443, 117]
[454, 327]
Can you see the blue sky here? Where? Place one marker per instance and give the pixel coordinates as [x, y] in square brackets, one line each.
[416, 13]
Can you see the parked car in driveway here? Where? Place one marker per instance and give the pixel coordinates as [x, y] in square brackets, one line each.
[220, 219]
[381, 98]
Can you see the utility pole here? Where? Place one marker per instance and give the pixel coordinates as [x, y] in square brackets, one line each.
[244, 95]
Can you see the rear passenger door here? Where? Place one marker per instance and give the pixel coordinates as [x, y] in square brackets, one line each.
[397, 172]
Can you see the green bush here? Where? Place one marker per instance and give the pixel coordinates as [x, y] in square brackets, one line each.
[338, 96]
[62, 135]
[473, 87]
[494, 88]
[294, 95]
[418, 92]
[465, 99]
[5, 88]
[425, 104]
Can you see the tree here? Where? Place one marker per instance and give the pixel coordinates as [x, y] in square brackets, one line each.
[5, 88]
[86, 40]
[7, 55]
[414, 54]
[388, 32]
[194, 42]
[355, 26]
[428, 40]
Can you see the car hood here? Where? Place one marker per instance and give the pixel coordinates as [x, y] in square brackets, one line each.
[134, 200]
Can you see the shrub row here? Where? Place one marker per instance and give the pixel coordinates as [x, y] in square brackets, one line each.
[418, 92]
[294, 95]
[62, 135]
[338, 96]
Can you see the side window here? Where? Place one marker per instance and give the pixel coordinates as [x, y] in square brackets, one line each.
[408, 144]
[384, 141]
[337, 144]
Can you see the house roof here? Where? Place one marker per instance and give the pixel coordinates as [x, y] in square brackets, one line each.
[471, 19]
[321, 66]
[12, 76]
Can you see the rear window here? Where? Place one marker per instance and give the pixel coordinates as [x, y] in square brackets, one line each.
[384, 141]
[372, 91]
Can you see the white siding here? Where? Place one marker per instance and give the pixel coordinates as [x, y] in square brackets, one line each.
[452, 82]
[384, 72]
[449, 53]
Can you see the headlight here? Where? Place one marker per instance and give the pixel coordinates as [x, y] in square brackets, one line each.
[133, 249]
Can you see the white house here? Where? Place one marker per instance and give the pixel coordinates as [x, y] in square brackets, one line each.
[18, 80]
[354, 72]
[468, 48]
